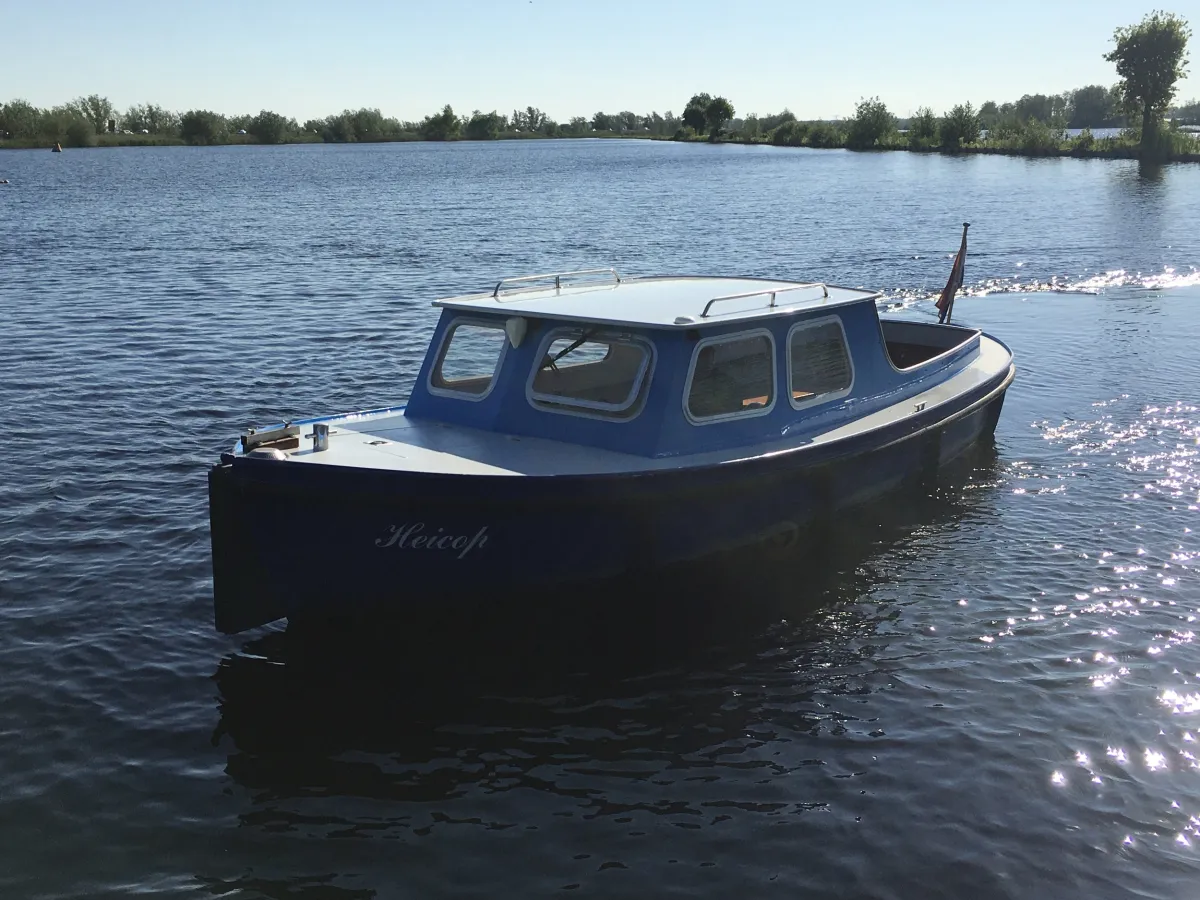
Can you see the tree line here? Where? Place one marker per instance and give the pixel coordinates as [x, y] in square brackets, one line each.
[1150, 57]
[82, 121]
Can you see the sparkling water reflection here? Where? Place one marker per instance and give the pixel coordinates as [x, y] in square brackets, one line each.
[991, 690]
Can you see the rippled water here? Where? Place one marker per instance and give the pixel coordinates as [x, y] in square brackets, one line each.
[991, 691]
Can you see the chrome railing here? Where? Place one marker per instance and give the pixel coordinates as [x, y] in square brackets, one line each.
[558, 277]
[771, 293]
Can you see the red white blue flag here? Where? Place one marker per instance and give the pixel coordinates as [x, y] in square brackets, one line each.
[945, 302]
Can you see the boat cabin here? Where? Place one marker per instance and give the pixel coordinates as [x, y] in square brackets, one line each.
[666, 366]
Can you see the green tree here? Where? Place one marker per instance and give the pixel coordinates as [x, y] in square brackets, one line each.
[80, 133]
[201, 126]
[1091, 107]
[442, 127]
[695, 114]
[769, 123]
[1034, 106]
[602, 122]
[151, 118]
[484, 126]
[53, 124]
[96, 109]
[369, 124]
[989, 114]
[20, 119]
[959, 126]
[825, 134]
[272, 128]
[923, 128]
[872, 123]
[716, 115]
[789, 134]
[1150, 58]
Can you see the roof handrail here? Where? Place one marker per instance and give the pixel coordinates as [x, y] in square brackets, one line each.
[557, 276]
[772, 292]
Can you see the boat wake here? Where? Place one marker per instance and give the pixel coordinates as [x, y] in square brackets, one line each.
[1170, 278]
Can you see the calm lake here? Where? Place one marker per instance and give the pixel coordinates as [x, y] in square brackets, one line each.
[992, 691]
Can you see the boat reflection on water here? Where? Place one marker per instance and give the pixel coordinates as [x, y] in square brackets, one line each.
[430, 693]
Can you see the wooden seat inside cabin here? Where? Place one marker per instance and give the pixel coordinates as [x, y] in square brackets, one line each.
[608, 380]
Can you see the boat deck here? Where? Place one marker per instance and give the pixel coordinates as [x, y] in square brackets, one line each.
[390, 440]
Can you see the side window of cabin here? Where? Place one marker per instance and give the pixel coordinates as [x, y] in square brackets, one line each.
[732, 376]
[818, 361]
[593, 372]
[469, 359]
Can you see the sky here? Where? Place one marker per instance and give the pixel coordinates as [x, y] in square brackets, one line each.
[567, 57]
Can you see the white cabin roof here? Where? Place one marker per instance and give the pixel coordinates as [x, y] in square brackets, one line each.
[657, 302]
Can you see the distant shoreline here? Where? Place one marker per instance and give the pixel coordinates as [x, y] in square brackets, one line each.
[138, 140]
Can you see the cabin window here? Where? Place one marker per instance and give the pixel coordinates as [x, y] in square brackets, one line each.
[732, 377]
[819, 366]
[591, 372]
[469, 361]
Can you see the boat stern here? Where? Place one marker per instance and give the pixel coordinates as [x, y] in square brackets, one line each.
[242, 590]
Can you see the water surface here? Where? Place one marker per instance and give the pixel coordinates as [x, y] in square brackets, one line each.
[990, 691]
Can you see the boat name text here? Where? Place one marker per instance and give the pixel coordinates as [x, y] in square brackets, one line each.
[417, 537]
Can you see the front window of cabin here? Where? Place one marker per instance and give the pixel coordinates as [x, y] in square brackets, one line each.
[732, 376]
[591, 372]
[818, 362]
[469, 360]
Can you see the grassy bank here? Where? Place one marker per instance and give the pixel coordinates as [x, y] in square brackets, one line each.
[1032, 140]
[160, 140]
[1180, 147]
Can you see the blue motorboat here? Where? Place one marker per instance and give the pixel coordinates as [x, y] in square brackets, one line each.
[582, 426]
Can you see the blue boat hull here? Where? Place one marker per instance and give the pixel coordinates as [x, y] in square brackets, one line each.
[310, 542]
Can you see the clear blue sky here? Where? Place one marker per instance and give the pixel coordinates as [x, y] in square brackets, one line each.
[568, 57]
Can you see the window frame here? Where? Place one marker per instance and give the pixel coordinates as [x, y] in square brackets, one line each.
[830, 396]
[440, 391]
[591, 409]
[742, 414]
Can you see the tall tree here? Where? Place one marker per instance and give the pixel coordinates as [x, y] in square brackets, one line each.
[1150, 57]
[872, 122]
[19, 119]
[272, 128]
[442, 127]
[150, 117]
[1091, 107]
[483, 126]
[695, 114]
[718, 112]
[959, 126]
[923, 128]
[200, 126]
[96, 109]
